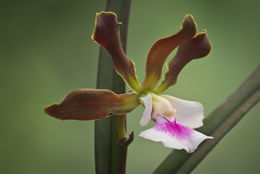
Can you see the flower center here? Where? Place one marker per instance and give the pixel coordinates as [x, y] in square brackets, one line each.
[162, 106]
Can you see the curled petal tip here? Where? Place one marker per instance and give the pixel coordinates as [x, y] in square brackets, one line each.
[189, 25]
[204, 31]
[102, 31]
[202, 46]
[188, 18]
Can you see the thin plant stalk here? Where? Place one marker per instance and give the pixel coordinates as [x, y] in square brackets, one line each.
[110, 134]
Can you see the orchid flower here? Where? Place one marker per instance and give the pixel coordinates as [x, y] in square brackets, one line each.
[174, 118]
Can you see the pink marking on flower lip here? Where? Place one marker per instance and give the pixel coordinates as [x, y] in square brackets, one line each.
[172, 127]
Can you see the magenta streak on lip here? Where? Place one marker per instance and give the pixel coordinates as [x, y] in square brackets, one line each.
[172, 128]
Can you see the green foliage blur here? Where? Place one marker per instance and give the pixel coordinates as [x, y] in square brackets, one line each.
[46, 51]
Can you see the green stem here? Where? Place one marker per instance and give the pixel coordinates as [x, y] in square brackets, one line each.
[121, 128]
[110, 134]
[217, 124]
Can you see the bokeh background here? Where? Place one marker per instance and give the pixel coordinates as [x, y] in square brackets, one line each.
[46, 51]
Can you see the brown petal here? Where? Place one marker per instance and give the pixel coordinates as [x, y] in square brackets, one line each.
[107, 34]
[163, 47]
[92, 104]
[195, 48]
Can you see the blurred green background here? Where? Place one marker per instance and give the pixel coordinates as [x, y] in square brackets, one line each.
[46, 51]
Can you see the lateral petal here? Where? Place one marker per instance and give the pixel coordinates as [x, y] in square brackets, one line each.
[195, 48]
[174, 135]
[92, 104]
[163, 47]
[148, 107]
[106, 33]
[188, 113]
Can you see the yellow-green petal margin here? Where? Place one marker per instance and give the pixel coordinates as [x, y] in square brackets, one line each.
[92, 104]
[162, 48]
[107, 34]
